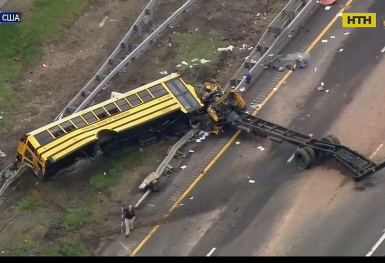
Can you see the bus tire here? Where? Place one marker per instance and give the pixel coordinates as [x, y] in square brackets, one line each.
[311, 153]
[334, 139]
[302, 158]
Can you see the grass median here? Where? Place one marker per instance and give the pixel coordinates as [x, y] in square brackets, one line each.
[42, 22]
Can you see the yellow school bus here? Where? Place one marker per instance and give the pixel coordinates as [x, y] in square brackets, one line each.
[133, 120]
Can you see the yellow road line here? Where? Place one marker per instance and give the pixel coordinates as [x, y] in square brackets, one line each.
[232, 139]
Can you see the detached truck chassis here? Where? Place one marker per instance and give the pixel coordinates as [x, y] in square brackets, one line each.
[310, 151]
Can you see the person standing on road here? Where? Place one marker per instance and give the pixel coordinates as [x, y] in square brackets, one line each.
[129, 217]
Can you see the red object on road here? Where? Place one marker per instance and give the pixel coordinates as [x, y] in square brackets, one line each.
[327, 2]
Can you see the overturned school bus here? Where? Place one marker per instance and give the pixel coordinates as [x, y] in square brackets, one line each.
[135, 119]
[139, 117]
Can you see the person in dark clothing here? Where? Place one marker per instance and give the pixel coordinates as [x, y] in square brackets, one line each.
[129, 218]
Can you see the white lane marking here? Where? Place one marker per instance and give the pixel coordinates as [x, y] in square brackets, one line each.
[382, 238]
[291, 158]
[374, 248]
[376, 151]
[383, 50]
[211, 252]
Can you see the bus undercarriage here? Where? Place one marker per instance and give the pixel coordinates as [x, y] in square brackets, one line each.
[112, 145]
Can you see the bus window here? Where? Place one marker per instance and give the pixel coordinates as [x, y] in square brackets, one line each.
[123, 104]
[101, 113]
[133, 100]
[112, 109]
[79, 122]
[30, 146]
[89, 117]
[157, 91]
[56, 131]
[44, 138]
[29, 156]
[67, 126]
[145, 96]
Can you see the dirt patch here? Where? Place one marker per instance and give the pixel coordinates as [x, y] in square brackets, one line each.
[72, 216]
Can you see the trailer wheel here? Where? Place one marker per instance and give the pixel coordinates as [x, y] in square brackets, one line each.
[302, 158]
[311, 153]
[327, 139]
[334, 139]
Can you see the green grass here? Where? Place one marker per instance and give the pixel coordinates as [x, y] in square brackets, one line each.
[42, 23]
[191, 47]
[116, 171]
[77, 217]
[30, 204]
[28, 241]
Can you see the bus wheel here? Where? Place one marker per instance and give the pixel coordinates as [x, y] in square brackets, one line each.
[302, 159]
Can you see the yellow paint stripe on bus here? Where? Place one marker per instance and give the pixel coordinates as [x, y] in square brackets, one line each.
[269, 96]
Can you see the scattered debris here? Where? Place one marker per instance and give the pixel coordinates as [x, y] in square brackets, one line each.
[332, 36]
[326, 2]
[339, 14]
[327, 8]
[315, 69]
[327, 91]
[225, 49]
[150, 205]
[261, 148]
[237, 143]
[180, 204]
[251, 181]
[255, 106]
[190, 151]
[341, 50]
[324, 41]
[203, 135]
[2, 154]
[16, 58]
[1, 117]
[192, 197]
[347, 33]
[45, 65]
[101, 24]
[163, 73]
[183, 167]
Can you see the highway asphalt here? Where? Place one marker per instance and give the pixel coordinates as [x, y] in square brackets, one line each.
[283, 211]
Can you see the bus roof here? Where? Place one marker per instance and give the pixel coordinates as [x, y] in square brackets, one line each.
[181, 92]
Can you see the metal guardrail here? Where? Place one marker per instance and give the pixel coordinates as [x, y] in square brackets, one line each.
[113, 64]
[162, 167]
[278, 34]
